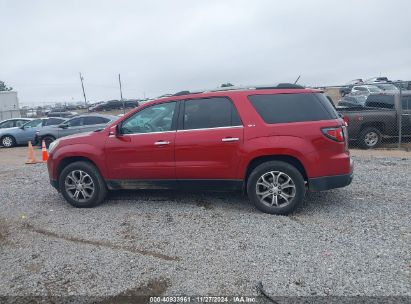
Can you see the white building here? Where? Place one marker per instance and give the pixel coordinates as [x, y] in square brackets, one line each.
[9, 105]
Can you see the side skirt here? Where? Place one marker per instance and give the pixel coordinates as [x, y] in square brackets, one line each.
[182, 184]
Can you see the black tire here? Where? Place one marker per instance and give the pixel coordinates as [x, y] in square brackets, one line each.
[100, 188]
[8, 141]
[48, 139]
[285, 168]
[369, 138]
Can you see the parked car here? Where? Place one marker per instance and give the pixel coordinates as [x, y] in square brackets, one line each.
[11, 137]
[65, 114]
[13, 122]
[365, 89]
[346, 89]
[378, 119]
[377, 79]
[113, 105]
[78, 124]
[271, 142]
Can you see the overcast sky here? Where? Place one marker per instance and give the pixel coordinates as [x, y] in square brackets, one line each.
[165, 46]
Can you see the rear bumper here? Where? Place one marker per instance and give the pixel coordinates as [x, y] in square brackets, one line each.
[329, 182]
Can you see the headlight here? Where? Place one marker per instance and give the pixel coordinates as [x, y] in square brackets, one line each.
[53, 145]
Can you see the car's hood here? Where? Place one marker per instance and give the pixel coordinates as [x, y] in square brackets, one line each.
[76, 138]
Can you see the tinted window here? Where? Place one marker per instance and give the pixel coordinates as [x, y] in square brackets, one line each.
[53, 121]
[94, 120]
[157, 118]
[282, 108]
[7, 124]
[210, 113]
[380, 101]
[75, 122]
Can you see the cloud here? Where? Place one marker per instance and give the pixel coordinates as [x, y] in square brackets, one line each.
[167, 46]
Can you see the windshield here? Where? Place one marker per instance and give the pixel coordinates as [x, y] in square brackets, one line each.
[33, 124]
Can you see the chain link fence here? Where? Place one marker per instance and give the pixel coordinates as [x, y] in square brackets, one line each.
[378, 114]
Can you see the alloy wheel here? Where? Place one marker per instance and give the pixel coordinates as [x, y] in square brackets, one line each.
[7, 142]
[275, 188]
[79, 186]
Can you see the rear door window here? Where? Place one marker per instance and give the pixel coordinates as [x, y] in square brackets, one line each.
[210, 113]
[285, 108]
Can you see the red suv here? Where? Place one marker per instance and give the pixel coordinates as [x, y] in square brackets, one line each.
[271, 142]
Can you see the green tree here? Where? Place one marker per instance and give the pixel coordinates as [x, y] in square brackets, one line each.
[228, 84]
[3, 87]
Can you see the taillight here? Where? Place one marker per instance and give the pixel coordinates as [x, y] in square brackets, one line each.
[335, 133]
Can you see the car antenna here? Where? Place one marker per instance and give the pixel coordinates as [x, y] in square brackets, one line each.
[298, 78]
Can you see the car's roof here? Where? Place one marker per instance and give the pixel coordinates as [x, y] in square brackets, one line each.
[282, 88]
[17, 118]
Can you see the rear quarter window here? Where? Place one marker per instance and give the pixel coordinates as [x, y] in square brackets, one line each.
[284, 108]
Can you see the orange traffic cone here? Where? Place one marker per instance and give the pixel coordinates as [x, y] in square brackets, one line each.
[31, 159]
[44, 152]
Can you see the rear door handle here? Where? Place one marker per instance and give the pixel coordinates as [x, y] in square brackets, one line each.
[228, 139]
[161, 143]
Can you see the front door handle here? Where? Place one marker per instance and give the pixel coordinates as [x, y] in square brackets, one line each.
[161, 143]
[228, 139]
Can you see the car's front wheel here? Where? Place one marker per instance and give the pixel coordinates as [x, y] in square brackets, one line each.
[8, 141]
[276, 187]
[82, 185]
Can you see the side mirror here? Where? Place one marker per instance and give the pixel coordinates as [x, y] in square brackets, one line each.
[63, 126]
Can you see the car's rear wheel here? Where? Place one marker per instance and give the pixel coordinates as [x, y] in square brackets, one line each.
[8, 141]
[370, 138]
[48, 140]
[82, 185]
[276, 187]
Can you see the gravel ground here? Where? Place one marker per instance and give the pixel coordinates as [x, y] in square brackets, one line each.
[351, 241]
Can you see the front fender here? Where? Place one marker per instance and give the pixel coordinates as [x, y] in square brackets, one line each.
[83, 150]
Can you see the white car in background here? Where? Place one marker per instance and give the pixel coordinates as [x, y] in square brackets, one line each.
[365, 90]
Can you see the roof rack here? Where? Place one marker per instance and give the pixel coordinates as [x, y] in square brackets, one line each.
[242, 88]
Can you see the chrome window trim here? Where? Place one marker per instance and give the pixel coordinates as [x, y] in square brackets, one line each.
[158, 132]
[216, 128]
[174, 131]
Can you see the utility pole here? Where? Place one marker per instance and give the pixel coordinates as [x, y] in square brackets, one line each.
[82, 86]
[121, 94]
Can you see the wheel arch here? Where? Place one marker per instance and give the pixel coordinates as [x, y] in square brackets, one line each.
[379, 125]
[255, 162]
[72, 159]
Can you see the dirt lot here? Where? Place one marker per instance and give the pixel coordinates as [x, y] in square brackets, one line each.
[352, 241]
